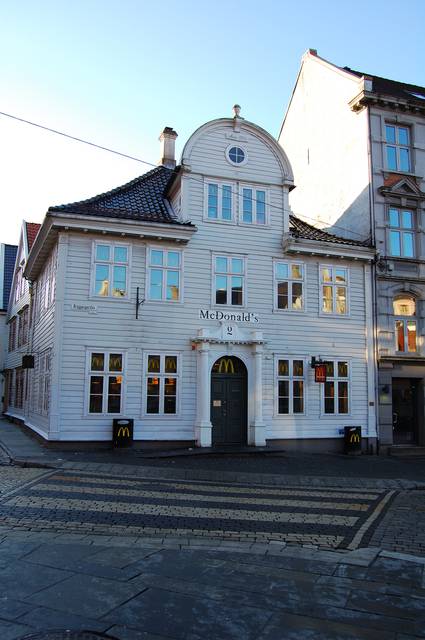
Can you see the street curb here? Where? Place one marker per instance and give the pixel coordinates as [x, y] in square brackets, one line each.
[276, 480]
[361, 557]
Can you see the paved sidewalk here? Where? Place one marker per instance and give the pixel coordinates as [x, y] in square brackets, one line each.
[187, 589]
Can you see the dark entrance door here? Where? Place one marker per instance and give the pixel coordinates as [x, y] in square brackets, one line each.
[229, 402]
[404, 411]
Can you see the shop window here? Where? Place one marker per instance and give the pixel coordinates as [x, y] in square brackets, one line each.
[289, 286]
[19, 387]
[334, 290]
[162, 382]
[111, 265]
[229, 279]
[335, 391]
[404, 308]
[164, 268]
[290, 385]
[105, 382]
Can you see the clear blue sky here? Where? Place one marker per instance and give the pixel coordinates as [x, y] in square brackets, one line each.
[117, 72]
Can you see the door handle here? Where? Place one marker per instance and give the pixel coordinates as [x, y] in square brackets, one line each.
[395, 419]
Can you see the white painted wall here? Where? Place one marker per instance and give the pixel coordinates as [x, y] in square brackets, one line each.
[327, 145]
[171, 327]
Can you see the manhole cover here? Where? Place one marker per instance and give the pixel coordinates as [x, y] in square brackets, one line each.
[68, 635]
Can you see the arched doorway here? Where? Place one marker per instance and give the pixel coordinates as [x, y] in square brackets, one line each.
[229, 401]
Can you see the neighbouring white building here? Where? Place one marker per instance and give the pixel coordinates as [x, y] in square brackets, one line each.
[192, 301]
[356, 143]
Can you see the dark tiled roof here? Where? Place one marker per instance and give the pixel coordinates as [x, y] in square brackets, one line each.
[141, 199]
[301, 229]
[32, 230]
[392, 87]
[8, 268]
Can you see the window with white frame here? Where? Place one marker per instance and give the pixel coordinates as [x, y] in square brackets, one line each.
[19, 387]
[105, 382]
[229, 280]
[402, 234]
[290, 385]
[162, 378]
[336, 388]
[111, 265]
[43, 380]
[20, 284]
[334, 290]
[253, 206]
[404, 308]
[289, 286]
[164, 269]
[397, 147]
[23, 326]
[219, 202]
[12, 334]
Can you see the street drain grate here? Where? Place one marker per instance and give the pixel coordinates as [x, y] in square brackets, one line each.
[67, 635]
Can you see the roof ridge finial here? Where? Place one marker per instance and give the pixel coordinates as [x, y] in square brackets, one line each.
[237, 110]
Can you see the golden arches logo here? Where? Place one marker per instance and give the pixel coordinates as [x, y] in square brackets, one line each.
[226, 366]
[123, 432]
[170, 364]
[354, 437]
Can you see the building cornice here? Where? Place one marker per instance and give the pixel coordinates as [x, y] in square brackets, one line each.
[370, 99]
[55, 223]
[326, 249]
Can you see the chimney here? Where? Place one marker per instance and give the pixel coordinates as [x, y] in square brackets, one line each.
[168, 143]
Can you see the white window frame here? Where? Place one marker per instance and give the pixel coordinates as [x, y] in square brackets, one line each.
[397, 146]
[111, 263]
[13, 331]
[229, 274]
[334, 286]
[405, 319]
[291, 379]
[402, 231]
[43, 383]
[336, 379]
[227, 151]
[164, 270]
[290, 281]
[220, 185]
[254, 222]
[146, 374]
[105, 374]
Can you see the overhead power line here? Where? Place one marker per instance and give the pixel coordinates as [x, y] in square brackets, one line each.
[151, 164]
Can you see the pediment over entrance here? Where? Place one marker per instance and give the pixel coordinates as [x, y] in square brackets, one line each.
[229, 333]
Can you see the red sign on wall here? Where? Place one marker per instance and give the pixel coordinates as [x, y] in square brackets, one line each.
[320, 373]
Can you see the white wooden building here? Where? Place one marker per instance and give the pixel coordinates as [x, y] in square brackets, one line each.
[193, 302]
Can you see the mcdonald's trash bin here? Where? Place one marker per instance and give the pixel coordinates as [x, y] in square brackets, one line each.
[352, 440]
[122, 432]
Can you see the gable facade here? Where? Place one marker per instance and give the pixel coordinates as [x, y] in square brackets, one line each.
[192, 302]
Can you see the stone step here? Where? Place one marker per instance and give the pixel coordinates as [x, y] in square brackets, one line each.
[407, 451]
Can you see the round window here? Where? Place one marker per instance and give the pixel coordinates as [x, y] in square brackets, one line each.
[236, 155]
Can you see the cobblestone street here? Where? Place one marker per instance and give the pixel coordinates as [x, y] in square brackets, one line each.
[327, 518]
[156, 558]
